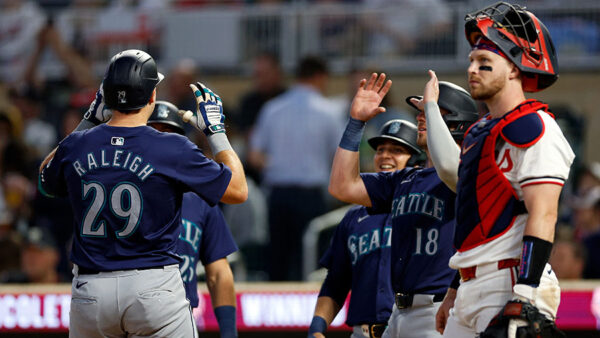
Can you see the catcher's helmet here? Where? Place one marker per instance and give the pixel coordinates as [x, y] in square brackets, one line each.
[129, 80]
[522, 37]
[400, 131]
[462, 109]
[166, 113]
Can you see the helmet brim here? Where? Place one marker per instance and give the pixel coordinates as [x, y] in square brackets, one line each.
[377, 140]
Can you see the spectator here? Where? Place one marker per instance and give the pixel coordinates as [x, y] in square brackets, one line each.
[39, 259]
[400, 27]
[586, 213]
[268, 83]
[589, 178]
[592, 265]
[20, 22]
[178, 80]
[568, 256]
[292, 144]
[38, 134]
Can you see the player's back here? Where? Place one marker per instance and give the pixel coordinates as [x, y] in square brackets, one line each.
[126, 187]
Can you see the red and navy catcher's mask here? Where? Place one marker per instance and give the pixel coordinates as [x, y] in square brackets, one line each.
[521, 37]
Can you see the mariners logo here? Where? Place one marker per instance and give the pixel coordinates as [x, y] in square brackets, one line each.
[121, 96]
[163, 112]
[395, 127]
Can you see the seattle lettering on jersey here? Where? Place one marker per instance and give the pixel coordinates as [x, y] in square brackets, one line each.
[114, 158]
[191, 233]
[418, 203]
[360, 245]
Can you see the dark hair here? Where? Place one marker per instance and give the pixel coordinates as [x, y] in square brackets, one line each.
[310, 66]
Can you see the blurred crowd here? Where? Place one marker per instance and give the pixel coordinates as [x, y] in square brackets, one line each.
[272, 127]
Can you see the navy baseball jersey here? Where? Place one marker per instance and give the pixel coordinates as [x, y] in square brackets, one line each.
[359, 259]
[204, 235]
[126, 187]
[421, 208]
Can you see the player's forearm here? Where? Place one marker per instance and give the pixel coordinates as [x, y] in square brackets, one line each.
[219, 280]
[327, 308]
[345, 182]
[237, 190]
[443, 150]
[222, 293]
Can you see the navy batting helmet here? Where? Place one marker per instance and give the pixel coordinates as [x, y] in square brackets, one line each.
[462, 109]
[400, 131]
[130, 80]
[522, 37]
[166, 113]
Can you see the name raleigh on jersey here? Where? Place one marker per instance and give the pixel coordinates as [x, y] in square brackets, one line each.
[114, 158]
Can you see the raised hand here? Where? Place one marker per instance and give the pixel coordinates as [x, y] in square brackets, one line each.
[209, 115]
[365, 104]
[96, 113]
[432, 89]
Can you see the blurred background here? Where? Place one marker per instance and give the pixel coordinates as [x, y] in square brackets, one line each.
[53, 54]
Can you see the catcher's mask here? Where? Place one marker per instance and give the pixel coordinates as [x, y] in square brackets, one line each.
[522, 37]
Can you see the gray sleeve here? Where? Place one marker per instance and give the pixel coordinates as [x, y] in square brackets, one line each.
[444, 152]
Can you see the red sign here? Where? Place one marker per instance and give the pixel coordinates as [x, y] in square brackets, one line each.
[256, 311]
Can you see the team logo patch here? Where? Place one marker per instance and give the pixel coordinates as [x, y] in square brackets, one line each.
[121, 96]
[163, 112]
[117, 141]
[394, 128]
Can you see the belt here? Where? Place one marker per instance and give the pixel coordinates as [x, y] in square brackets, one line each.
[472, 271]
[406, 300]
[372, 330]
[85, 271]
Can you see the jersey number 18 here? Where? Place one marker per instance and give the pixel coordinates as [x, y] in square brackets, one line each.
[428, 244]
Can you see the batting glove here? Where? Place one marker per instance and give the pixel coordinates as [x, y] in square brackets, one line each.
[209, 115]
[96, 113]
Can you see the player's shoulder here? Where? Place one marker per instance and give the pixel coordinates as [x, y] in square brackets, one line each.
[527, 129]
[356, 210]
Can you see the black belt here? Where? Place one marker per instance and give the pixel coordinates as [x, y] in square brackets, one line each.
[405, 300]
[85, 271]
[375, 330]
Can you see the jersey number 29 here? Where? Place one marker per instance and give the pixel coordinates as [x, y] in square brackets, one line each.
[124, 200]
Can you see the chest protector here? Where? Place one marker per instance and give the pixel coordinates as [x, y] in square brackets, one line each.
[487, 204]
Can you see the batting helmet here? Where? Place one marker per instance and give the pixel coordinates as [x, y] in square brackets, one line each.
[130, 80]
[166, 113]
[400, 131]
[522, 37]
[462, 109]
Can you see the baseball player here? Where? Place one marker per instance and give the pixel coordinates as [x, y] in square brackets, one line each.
[420, 205]
[513, 164]
[125, 182]
[358, 258]
[204, 235]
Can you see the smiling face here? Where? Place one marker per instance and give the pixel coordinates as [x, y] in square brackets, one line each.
[391, 156]
[488, 73]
